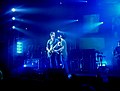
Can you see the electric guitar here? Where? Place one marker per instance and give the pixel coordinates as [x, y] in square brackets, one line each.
[52, 49]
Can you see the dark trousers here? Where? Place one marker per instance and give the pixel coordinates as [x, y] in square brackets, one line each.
[66, 64]
[59, 61]
[55, 61]
[116, 66]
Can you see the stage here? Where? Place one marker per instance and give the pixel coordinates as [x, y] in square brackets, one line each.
[86, 30]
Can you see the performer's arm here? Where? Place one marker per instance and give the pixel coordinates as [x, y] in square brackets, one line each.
[62, 47]
[47, 46]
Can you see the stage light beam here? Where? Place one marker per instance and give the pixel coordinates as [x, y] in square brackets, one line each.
[13, 18]
[13, 27]
[101, 22]
[13, 9]
[58, 31]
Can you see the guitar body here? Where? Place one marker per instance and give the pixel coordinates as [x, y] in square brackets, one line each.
[52, 49]
[49, 53]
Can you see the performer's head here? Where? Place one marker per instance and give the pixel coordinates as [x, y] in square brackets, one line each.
[61, 36]
[52, 35]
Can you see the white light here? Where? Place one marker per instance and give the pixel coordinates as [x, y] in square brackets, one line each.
[101, 22]
[77, 20]
[104, 64]
[60, 2]
[13, 9]
[19, 47]
[13, 27]
[58, 31]
[24, 65]
[69, 76]
[13, 18]
[19, 43]
[19, 51]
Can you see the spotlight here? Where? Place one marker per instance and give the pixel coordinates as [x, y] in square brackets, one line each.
[83, 1]
[13, 18]
[19, 47]
[58, 31]
[101, 22]
[24, 65]
[13, 9]
[13, 27]
[60, 2]
[77, 20]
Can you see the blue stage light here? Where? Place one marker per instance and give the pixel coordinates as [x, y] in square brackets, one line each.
[101, 22]
[19, 47]
[13, 18]
[13, 9]
[13, 27]
[24, 65]
[77, 20]
[60, 2]
[58, 31]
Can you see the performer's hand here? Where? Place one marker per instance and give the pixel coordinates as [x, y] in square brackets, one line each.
[48, 50]
[55, 51]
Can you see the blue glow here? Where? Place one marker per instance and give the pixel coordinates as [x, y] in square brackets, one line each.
[70, 21]
[13, 27]
[82, 1]
[13, 9]
[13, 18]
[60, 2]
[77, 20]
[32, 63]
[19, 51]
[19, 47]
[19, 43]
[103, 64]
[58, 31]
[24, 65]
[69, 76]
[101, 22]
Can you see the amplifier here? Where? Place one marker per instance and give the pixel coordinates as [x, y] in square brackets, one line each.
[32, 63]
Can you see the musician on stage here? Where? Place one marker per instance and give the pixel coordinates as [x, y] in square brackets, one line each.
[57, 53]
[116, 54]
[52, 55]
[64, 53]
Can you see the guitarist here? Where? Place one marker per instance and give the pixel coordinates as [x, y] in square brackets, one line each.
[116, 54]
[64, 54]
[50, 47]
